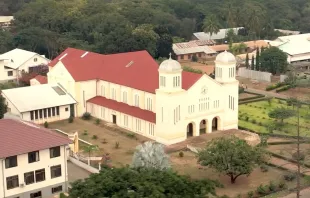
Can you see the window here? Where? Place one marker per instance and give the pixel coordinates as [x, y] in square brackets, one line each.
[53, 111]
[29, 178]
[125, 120]
[40, 113]
[36, 195]
[191, 109]
[31, 115]
[45, 113]
[56, 189]
[12, 182]
[182, 57]
[57, 110]
[36, 114]
[162, 114]
[162, 81]
[189, 56]
[138, 125]
[49, 112]
[149, 104]
[10, 73]
[40, 175]
[35, 59]
[66, 109]
[151, 129]
[55, 171]
[199, 55]
[11, 162]
[55, 152]
[33, 157]
[137, 100]
[125, 97]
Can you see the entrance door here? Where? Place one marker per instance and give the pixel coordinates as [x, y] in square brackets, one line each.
[114, 119]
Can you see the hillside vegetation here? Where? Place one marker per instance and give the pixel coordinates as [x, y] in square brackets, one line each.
[112, 26]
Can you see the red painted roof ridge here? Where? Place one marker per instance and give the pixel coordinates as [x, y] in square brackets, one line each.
[41, 79]
[124, 108]
[19, 137]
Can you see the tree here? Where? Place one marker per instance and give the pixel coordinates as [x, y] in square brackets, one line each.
[126, 183]
[281, 113]
[252, 63]
[89, 149]
[247, 64]
[257, 64]
[273, 60]
[3, 107]
[150, 155]
[211, 25]
[231, 156]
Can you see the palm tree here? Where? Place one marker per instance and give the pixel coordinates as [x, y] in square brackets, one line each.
[211, 25]
[150, 155]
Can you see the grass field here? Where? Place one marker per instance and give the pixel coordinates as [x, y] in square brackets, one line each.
[254, 116]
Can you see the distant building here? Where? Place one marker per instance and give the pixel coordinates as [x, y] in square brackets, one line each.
[200, 49]
[220, 35]
[288, 32]
[33, 160]
[16, 61]
[40, 103]
[5, 21]
[251, 46]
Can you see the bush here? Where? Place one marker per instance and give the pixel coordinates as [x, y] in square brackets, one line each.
[104, 141]
[264, 168]
[272, 186]
[70, 120]
[97, 122]
[85, 132]
[62, 195]
[250, 194]
[241, 90]
[262, 190]
[289, 176]
[194, 58]
[253, 121]
[116, 145]
[282, 184]
[181, 154]
[46, 124]
[131, 135]
[284, 88]
[302, 156]
[277, 85]
[95, 137]
[86, 116]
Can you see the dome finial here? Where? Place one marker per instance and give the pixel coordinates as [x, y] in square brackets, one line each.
[170, 55]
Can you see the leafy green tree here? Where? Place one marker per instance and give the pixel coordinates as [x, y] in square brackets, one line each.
[252, 63]
[3, 107]
[150, 155]
[247, 64]
[90, 148]
[281, 113]
[273, 60]
[211, 25]
[128, 183]
[231, 156]
[257, 63]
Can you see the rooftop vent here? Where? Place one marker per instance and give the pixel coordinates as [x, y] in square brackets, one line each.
[84, 54]
[129, 64]
[63, 56]
[59, 91]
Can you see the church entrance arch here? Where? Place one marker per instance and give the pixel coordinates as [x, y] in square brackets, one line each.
[190, 129]
[215, 124]
[203, 127]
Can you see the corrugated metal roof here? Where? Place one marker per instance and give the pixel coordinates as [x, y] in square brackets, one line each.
[192, 47]
[37, 97]
[294, 37]
[220, 35]
[19, 137]
[6, 19]
[295, 47]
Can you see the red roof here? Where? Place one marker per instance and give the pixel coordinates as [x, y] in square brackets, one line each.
[19, 137]
[41, 79]
[124, 108]
[137, 70]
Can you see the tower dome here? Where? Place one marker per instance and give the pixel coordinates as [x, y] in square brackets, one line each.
[170, 65]
[225, 57]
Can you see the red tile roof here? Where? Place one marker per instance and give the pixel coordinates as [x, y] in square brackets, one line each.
[19, 137]
[41, 79]
[124, 108]
[137, 70]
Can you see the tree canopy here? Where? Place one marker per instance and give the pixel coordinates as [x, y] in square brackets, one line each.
[231, 156]
[49, 26]
[273, 60]
[3, 107]
[148, 183]
[281, 113]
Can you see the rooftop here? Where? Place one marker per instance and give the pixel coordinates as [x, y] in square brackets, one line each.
[250, 44]
[6, 19]
[19, 137]
[299, 37]
[220, 35]
[132, 69]
[191, 47]
[16, 57]
[38, 97]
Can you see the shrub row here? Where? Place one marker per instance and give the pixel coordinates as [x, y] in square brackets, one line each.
[251, 98]
[263, 190]
[284, 88]
[277, 85]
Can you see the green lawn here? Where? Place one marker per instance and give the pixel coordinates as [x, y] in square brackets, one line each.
[258, 119]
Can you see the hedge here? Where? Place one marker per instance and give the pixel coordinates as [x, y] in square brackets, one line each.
[277, 85]
[284, 88]
[251, 98]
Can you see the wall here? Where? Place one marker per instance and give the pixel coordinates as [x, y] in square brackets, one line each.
[34, 82]
[255, 75]
[63, 114]
[83, 165]
[45, 162]
[84, 90]
[31, 62]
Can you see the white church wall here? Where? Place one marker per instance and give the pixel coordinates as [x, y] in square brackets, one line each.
[255, 75]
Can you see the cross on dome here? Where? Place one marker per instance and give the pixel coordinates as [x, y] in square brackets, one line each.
[170, 55]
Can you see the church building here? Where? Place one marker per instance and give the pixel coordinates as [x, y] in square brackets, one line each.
[162, 102]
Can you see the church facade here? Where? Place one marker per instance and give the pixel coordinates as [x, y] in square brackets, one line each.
[161, 102]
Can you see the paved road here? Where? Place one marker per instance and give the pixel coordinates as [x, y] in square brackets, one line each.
[267, 93]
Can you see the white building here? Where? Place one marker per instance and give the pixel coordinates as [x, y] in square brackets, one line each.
[41, 103]
[5, 21]
[32, 165]
[162, 102]
[16, 61]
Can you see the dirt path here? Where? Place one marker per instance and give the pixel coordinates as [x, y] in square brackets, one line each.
[267, 93]
[288, 165]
